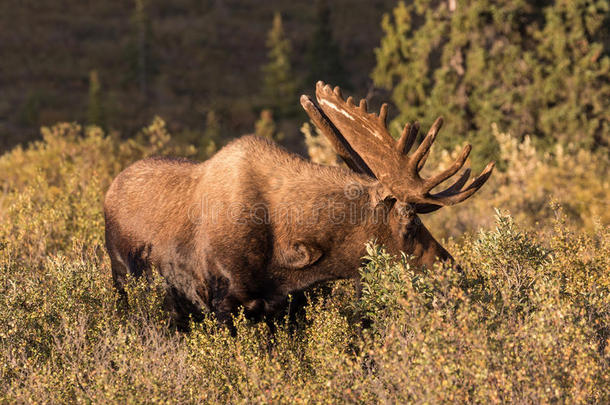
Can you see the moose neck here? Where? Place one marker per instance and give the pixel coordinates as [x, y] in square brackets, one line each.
[335, 214]
[326, 199]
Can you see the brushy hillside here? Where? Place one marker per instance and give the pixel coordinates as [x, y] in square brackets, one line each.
[527, 321]
[200, 56]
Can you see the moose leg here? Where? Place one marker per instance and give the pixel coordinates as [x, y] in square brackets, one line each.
[225, 301]
[119, 274]
[221, 301]
[119, 270]
[117, 264]
[181, 309]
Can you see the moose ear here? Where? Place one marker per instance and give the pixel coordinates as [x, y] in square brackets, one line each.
[300, 255]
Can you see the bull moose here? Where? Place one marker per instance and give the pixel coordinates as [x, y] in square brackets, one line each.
[255, 223]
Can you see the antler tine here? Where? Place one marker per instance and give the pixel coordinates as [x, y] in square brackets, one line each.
[457, 186]
[365, 132]
[364, 105]
[341, 146]
[383, 113]
[450, 171]
[424, 147]
[454, 188]
[407, 138]
[451, 197]
[422, 161]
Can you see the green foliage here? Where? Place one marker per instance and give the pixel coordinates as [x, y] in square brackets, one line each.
[575, 178]
[319, 148]
[200, 56]
[279, 83]
[95, 108]
[527, 320]
[384, 285]
[502, 330]
[139, 49]
[532, 68]
[205, 142]
[29, 113]
[212, 125]
[521, 261]
[212, 134]
[323, 53]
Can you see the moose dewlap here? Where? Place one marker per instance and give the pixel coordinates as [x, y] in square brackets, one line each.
[255, 223]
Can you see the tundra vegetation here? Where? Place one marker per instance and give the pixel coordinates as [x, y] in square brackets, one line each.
[526, 321]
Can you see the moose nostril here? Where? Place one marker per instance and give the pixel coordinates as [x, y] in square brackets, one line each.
[446, 257]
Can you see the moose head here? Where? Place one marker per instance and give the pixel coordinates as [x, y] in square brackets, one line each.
[363, 142]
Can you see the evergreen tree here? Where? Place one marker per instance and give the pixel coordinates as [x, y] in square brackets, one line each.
[212, 130]
[139, 48]
[29, 113]
[279, 83]
[323, 53]
[95, 109]
[534, 67]
[266, 127]
[211, 135]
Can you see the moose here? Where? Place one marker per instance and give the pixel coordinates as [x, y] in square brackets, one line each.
[256, 223]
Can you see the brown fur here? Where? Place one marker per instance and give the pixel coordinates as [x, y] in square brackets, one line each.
[249, 226]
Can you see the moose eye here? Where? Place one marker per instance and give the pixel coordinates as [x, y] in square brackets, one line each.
[406, 210]
[410, 223]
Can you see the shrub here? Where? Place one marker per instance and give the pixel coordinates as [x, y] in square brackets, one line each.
[504, 330]
[527, 319]
[525, 184]
[53, 190]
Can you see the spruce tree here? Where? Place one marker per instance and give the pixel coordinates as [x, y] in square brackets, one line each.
[212, 126]
[323, 53]
[211, 135]
[533, 67]
[279, 83]
[139, 49]
[266, 127]
[95, 109]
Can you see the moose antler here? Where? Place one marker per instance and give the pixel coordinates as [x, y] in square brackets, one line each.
[338, 142]
[364, 136]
